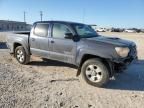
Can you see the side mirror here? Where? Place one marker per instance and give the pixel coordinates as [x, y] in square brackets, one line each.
[68, 35]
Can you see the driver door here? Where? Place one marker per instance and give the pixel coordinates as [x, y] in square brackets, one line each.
[62, 49]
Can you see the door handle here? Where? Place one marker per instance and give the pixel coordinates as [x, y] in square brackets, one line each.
[33, 39]
[52, 41]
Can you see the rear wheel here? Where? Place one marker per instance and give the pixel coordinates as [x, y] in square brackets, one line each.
[95, 72]
[21, 55]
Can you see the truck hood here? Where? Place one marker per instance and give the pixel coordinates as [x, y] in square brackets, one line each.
[111, 40]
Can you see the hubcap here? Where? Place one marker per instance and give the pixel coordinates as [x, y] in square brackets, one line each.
[94, 73]
[20, 55]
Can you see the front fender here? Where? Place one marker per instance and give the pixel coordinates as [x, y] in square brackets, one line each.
[99, 53]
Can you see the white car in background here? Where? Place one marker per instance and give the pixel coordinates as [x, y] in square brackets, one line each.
[101, 30]
[130, 31]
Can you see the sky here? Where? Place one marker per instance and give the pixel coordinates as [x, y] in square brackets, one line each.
[104, 13]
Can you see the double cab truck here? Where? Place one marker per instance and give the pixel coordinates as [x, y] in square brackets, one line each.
[96, 57]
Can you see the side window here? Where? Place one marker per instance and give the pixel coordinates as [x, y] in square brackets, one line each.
[41, 30]
[59, 30]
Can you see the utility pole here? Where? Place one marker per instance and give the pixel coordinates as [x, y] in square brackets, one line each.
[41, 15]
[24, 20]
[24, 16]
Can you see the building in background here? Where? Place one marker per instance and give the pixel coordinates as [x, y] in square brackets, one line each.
[6, 25]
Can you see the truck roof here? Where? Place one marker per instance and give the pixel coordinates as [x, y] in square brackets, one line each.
[66, 22]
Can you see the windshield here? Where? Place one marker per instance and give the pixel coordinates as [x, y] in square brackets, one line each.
[85, 31]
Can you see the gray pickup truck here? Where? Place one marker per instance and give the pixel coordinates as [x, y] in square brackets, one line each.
[97, 57]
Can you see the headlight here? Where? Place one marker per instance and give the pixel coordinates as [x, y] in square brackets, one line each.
[122, 51]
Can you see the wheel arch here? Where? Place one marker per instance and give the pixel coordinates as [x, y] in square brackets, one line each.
[16, 44]
[107, 62]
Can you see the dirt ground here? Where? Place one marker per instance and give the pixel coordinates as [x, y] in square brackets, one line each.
[50, 84]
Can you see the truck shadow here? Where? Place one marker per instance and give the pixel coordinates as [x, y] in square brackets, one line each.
[3, 45]
[132, 79]
[48, 62]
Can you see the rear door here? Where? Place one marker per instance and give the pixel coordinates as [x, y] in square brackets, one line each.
[62, 49]
[39, 41]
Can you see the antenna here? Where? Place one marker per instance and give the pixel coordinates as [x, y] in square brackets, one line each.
[41, 15]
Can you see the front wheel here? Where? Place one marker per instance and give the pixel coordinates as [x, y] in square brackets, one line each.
[95, 72]
[21, 55]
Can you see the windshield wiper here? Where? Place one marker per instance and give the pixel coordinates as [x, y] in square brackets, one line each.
[89, 36]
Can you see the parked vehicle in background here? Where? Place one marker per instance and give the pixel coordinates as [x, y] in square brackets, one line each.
[101, 29]
[96, 57]
[117, 30]
[142, 30]
[137, 30]
[130, 31]
[93, 26]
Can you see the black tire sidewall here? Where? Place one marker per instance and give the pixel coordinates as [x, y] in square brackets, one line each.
[98, 62]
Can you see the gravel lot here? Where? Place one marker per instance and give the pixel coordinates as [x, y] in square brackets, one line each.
[50, 84]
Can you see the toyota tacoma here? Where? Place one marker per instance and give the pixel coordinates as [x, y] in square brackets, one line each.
[97, 57]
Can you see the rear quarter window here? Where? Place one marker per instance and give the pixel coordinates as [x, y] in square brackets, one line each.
[41, 30]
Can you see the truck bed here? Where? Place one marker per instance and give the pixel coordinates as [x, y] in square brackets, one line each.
[19, 37]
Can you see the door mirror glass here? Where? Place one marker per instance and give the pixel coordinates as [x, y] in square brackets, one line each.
[68, 35]
[75, 38]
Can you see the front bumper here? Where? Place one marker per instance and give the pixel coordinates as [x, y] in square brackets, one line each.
[131, 57]
[129, 60]
[120, 64]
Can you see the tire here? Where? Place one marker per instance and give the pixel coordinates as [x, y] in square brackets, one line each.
[21, 56]
[95, 72]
